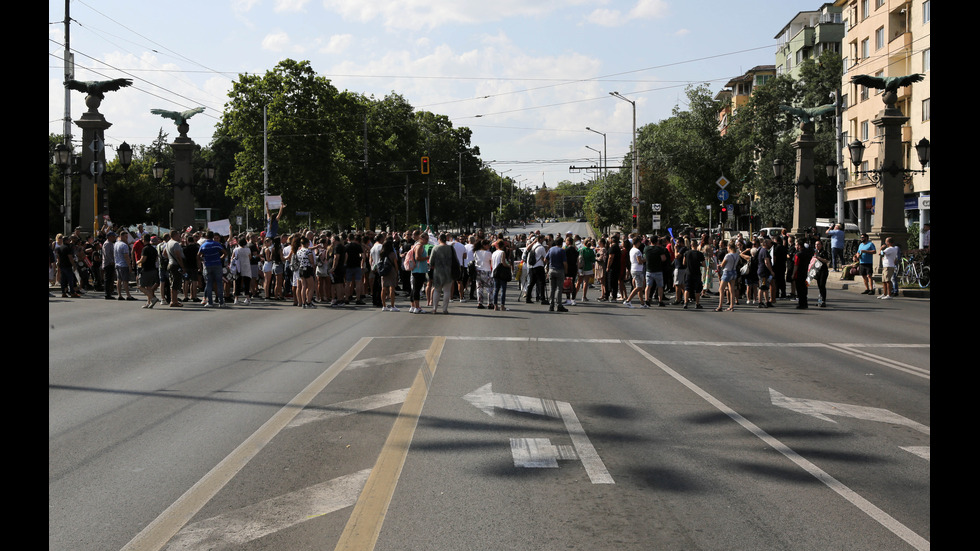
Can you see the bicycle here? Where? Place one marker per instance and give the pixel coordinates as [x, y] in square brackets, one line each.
[912, 271]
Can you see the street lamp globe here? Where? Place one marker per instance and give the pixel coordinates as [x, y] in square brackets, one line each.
[62, 155]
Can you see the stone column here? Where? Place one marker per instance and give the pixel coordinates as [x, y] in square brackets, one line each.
[183, 148]
[93, 126]
[889, 214]
[804, 203]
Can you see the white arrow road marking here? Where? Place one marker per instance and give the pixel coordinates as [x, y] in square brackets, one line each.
[389, 359]
[539, 453]
[870, 509]
[350, 407]
[485, 399]
[821, 409]
[269, 516]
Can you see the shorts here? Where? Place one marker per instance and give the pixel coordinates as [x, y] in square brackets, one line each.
[728, 275]
[277, 268]
[267, 266]
[354, 274]
[655, 278]
[694, 283]
[639, 280]
[866, 270]
[122, 273]
[888, 272]
[149, 278]
[680, 276]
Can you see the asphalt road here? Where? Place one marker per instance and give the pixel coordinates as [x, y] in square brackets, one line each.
[273, 427]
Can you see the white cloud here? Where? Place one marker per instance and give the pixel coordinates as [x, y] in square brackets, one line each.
[276, 42]
[290, 6]
[337, 44]
[644, 9]
[416, 14]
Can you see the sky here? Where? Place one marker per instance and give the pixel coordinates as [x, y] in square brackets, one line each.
[527, 76]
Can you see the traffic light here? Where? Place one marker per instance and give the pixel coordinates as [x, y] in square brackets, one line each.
[724, 212]
[425, 165]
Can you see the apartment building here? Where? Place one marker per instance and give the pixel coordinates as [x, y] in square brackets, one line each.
[738, 91]
[806, 36]
[885, 38]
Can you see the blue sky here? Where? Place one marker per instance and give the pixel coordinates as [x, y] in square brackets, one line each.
[527, 76]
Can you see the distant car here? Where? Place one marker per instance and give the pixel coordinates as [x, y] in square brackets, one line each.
[580, 219]
[771, 231]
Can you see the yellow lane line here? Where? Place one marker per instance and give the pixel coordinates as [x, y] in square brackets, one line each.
[165, 526]
[364, 525]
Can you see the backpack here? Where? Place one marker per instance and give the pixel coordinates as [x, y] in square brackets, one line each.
[410, 262]
[384, 265]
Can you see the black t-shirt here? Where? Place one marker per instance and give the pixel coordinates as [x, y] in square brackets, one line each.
[190, 257]
[693, 259]
[64, 254]
[354, 254]
[615, 256]
[679, 257]
[571, 257]
[651, 255]
[149, 256]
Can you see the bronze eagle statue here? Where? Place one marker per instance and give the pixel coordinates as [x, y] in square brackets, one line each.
[888, 84]
[98, 88]
[807, 114]
[179, 117]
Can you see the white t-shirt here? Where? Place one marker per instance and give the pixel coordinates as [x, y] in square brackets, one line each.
[636, 260]
[482, 259]
[889, 257]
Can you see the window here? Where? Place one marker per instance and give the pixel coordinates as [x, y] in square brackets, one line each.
[863, 93]
[926, 110]
[844, 64]
[926, 11]
[926, 63]
[864, 131]
[865, 52]
[880, 38]
[865, 9]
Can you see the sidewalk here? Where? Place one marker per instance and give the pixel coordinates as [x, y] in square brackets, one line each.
[856, 285]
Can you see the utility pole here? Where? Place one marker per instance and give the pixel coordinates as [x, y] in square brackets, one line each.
[69, 75]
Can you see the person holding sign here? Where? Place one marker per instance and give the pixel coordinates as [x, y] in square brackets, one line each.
[272, 224]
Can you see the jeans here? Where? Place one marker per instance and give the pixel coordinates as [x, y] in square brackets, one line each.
[212, 283]
[500, 287]
[557, 279]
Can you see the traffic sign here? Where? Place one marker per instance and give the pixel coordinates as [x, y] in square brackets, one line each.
[723, 195]
[655, 207]
[636, 201]
[722, 182]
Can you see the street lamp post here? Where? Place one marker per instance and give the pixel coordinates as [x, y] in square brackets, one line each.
[605, 153]
[635, 187]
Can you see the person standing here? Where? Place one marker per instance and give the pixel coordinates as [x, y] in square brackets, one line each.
[124, 264]
[441, 263]
[534, 258]
[889, 262]
[865, 254]
[586, 267]
[654, 257]
[637, 262]
[481, 262]
[555, 260]
[176, 268]
[614, 261]
[419, 255]
[149, 278]
[571, 262]
[500, 270]
[212, 255]
[778, 287]
[241, 265]
[693, 263]
[66, 266]
[766, 272]
[728, 268]
[109, 263]
[823, 257]
[680, 273]
[388, 272]
[836, 245]
[801, 264]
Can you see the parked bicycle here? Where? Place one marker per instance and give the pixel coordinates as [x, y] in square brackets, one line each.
[913, 272]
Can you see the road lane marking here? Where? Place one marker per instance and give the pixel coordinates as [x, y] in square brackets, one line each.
[270, 516]
[821, 409]
[883, 518]
[364, 526]
[175, 517]
[387, 359]
[583, 446]
[894, 364]
[350, 407]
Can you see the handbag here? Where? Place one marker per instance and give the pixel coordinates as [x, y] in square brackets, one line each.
[502, 272]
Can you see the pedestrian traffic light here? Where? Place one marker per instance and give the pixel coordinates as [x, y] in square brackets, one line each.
[425, 165]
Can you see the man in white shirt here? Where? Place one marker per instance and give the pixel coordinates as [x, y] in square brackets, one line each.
[889, 261]
[461, 257]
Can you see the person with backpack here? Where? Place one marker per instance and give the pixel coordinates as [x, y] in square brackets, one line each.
[387, 269]
[417, 262]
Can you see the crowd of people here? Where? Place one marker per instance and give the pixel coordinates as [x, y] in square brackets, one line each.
[312, 269]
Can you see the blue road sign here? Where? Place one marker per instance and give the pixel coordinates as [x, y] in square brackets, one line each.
[723, 195]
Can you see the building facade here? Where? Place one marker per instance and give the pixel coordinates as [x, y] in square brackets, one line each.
[885, 38]
[806, 36]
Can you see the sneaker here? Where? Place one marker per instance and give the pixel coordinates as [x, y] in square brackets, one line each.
[562, 308]
[885, 297]
[393, 309]
[644, 305]
[384, 308]
[411, 310]
[248, 301]
[627, 304]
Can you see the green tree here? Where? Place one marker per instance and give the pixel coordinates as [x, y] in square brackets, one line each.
[312, 129]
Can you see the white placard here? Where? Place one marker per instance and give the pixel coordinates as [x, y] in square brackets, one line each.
[220, 227]
[273, 202]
